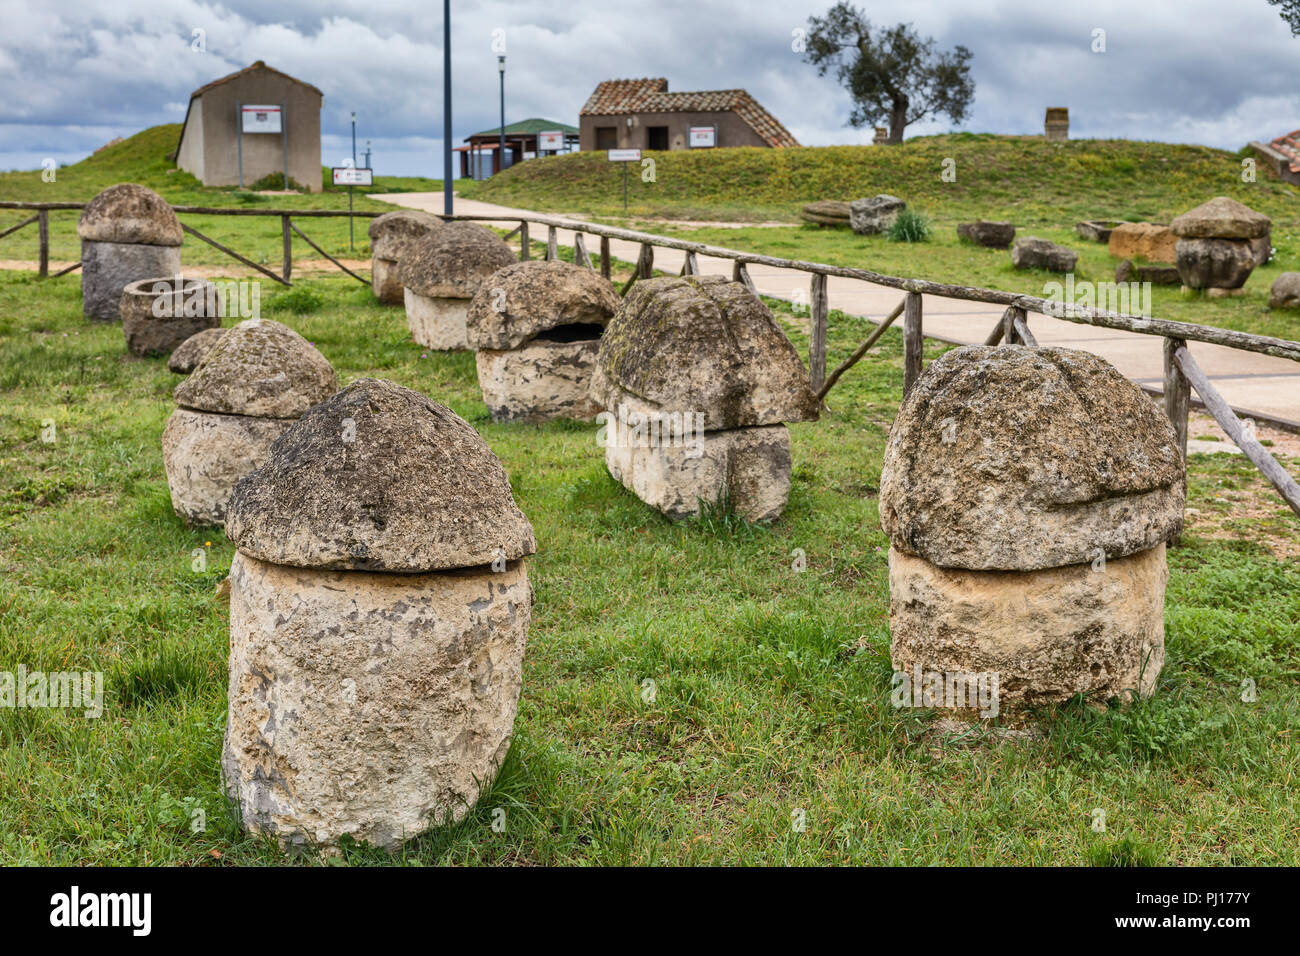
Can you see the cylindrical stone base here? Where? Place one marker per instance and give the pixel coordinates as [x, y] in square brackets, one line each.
[749, 467]
[158, 315]
[370, 705]
[383, 279]
[1093, 629]
[437, 323]
[540, 381]
[205, 454]
[107, 268]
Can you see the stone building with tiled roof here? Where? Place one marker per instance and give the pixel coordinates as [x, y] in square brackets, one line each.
[210, 149]
[642, 114]
[1282, 156]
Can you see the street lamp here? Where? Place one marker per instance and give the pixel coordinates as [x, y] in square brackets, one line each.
[446, 107]
[501, 148]
[354, 138]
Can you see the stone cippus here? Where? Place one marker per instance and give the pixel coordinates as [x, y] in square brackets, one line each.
[79, 690]
[1130, 298]
[632, 429]
[240, 299]
[960, 690]
[76, 909]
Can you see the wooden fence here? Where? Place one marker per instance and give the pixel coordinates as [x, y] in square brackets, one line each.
[1181, 372]
[287, 228]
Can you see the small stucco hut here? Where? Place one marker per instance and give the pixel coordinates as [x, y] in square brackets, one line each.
[210, 149]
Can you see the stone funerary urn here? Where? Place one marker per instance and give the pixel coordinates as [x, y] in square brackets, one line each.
[697, 380]
[1028, 494]
[440, 272]
[390, 236]
[253, 383]
[379, 607]
[127, 233]
[536, 327]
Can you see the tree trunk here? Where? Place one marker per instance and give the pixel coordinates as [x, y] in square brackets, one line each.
[897, 121]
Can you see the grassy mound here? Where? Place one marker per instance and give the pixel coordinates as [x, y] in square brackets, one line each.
[145, 159]
[1023, 178]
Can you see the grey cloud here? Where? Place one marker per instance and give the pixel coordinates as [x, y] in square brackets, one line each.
[1180, 70]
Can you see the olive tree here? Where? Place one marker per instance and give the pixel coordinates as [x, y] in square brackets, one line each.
[894, 75]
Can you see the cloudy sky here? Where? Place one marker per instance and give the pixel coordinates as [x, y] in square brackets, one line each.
[77, 74]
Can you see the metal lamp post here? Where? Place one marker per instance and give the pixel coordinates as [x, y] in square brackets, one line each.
[354, 138]
[446, 107]
[501, 148]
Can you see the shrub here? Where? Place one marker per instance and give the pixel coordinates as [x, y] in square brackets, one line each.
[300, 300]
[909, 226]
[272, 181]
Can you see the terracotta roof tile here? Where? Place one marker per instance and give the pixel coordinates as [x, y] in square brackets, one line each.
[650, 95]
[1289, 146]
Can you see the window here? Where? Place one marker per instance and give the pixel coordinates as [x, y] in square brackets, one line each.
[607, 137]
[656, 137]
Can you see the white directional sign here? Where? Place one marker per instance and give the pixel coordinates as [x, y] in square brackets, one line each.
[551, 139]
[703, 137]
[352, 176]
[624, 155]
[261, 119]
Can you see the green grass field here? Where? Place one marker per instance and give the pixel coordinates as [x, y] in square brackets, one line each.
[772, 685]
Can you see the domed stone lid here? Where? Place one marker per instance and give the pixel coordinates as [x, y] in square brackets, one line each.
[703, 344]
[260, 368]
[391, 233]
[1019, 458]
[1221, 218]
[528, 298]
[379, 478]
[128, 212]
[192, 351]
[452, 262]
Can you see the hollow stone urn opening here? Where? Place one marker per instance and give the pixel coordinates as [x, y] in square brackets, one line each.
[127, 233]
[440, 272]
[1028, 494]
[252, 384]
[158, 315]
[379, 608]
[536, 327]
[697, 381]
[390, 235]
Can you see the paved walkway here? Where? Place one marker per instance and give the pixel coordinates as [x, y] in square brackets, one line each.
[1253, 384]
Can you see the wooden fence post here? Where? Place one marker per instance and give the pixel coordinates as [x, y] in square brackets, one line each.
[740, 274]
[552, 248]
[525, 247]
[580, 257]
[1009, 326]
[1177, 394]
[817, 332]
[691, 265]
[287, 236]
[604, 257]
[912, 341]
[43, 224]
[646, 261]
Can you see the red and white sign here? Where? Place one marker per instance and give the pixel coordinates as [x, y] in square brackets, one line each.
[352, 176]
[551, 139]
[261, 119]
[703, 137]
[624, 155]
